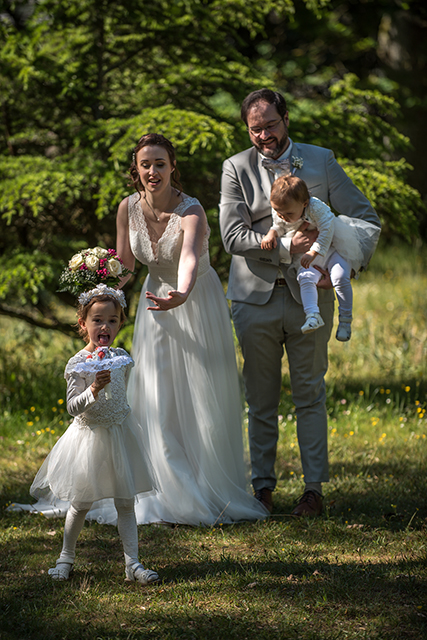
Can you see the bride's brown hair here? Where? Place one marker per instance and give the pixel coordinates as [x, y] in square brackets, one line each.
[152, 140]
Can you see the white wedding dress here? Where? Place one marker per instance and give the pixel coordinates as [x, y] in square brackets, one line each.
[184, 389]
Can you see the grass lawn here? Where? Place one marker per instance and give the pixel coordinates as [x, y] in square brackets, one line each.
[359, 571]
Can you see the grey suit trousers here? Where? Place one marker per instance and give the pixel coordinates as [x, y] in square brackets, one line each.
[264, 331]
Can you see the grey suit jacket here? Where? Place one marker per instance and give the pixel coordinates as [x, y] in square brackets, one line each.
[245, 217]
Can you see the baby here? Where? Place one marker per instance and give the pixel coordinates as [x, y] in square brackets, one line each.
[292, 206]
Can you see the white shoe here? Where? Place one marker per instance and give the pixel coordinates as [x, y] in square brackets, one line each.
[137, 573]
[343, 333]
[61, 571]
[313, 321]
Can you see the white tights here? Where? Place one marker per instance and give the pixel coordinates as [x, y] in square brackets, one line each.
[340, 272]
[126, 524]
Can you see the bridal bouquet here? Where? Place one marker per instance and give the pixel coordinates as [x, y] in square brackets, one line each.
[91, 267]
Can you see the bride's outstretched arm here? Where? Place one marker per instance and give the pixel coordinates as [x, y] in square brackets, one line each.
[193, 225]
[123, 244]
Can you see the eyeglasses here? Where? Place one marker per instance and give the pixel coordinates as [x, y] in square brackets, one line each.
[256, 131]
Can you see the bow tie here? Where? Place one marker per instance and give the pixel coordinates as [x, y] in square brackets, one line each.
[280, 167]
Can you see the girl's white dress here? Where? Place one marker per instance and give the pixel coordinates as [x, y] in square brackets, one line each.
[184, 389]
[101, 455]
[353, 238]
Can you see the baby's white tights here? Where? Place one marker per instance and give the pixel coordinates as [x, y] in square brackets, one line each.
[340, 272]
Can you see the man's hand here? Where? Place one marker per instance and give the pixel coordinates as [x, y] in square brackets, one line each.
[303, 239]
[325, 280]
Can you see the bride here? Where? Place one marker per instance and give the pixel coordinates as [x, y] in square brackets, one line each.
[184, 387]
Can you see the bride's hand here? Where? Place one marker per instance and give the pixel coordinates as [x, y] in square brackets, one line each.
[174, 299]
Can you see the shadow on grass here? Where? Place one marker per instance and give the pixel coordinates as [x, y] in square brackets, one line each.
[268, 598]
[391, 490]
[384, 495]
[393, 507]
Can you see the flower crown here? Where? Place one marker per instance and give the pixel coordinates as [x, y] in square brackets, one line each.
[102, 290]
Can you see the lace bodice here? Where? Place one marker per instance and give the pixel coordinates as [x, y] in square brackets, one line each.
[87, 411]
[161, 255]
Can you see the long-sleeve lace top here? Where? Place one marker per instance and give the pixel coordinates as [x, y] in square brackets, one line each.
[92, 412]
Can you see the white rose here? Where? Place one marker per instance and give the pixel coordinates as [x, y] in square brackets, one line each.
[114, 266]
[100, 252]
[76, 261]
[92, 262]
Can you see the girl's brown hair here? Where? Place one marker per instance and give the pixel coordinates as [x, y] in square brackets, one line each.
[83, 310]
[287, 188]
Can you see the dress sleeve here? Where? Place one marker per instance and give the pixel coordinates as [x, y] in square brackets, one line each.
[79, 397]
[186, 204]
[322, 217]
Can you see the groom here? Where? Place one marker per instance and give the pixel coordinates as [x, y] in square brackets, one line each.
[266, 302]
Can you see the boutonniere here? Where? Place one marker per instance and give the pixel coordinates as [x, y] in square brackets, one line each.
[297, 163]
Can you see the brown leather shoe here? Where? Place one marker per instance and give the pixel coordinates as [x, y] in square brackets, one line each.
[265, 496]
[310, 504]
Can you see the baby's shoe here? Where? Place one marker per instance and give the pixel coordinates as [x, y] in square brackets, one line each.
[343, 333]
[137, 573]
[313, 321]
[61, 571]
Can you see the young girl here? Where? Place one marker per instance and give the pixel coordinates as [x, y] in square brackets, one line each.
[343, 245]
[101, 454]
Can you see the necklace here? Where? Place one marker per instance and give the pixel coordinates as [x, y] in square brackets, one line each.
[152, 210]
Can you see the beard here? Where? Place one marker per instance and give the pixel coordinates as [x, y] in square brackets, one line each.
[277, 149]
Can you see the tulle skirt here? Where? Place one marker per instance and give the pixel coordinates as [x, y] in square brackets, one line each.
[87, 465]
[355, 240]
[184, 388]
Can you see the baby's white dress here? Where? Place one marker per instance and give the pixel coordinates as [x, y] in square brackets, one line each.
[101, 454]
[185, 390]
